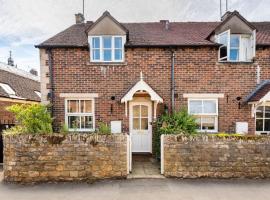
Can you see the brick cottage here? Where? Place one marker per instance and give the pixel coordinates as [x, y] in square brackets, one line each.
[127, 74]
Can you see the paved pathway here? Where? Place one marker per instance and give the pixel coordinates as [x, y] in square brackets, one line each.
[145, 166]
[142, 189]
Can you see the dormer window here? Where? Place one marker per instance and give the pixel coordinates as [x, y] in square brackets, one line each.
[236, 47]
[8, 89]
[106, 48]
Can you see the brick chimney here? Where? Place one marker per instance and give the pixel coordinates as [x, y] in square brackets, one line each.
[79, 18]
[33, 72]
[165, 23]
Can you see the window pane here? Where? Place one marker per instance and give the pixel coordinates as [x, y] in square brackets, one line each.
[198, 122]
[73, 106]
[208, 123]
[267, 112]
[144, 123]
[259, 125]
[107, 42]
[234, 41]
[87, 122]
[234, 54]
[136, 111]
[259, 112]
[223, 52]
[107, 55]
[96, 42]
[86, 106]
[223, 39]
[209, 106]
[195, 106]
[136, 123]
[118, 42]
[144, 111]
[74, 122]
[96, 54]
[267, 125]
[118, 54]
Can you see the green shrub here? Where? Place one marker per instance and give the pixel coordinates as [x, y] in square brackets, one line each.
[177, 123]
[64, 129]
[103, 128]
[31, 118]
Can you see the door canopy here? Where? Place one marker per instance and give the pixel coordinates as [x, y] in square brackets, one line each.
[141, 85]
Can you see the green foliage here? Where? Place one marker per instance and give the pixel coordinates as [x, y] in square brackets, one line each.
[177, 123]
[15, 130]
[226, 135]
[32, 119]
[237, 136]
[64, 129]
[104, 128]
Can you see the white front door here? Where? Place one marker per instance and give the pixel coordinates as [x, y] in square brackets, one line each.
[140, 119]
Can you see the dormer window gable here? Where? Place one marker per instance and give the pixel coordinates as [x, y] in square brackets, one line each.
[237, 38]
[106, 38]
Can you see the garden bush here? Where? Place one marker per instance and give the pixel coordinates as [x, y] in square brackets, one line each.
[177, 123]
[31, 118]
[103, 128]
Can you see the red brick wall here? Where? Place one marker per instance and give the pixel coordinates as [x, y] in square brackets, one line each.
[196, 71]
[5, 116]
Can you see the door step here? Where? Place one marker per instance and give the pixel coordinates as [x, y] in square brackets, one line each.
[145, 176]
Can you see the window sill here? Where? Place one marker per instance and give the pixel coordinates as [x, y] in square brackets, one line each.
[235, 62]
[106, 63]
[207, 131]
[81, 130]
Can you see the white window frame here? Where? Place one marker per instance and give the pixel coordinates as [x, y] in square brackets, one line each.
[240, 58]
[206, 114]
[263, 118]
[90, 38]
[228, 33]
[38, 93]
[80, 114]
[8, 89]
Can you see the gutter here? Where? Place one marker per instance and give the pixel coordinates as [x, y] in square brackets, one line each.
[51, 81]
[172, 82]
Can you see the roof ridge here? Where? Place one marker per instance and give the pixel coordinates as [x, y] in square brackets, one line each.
[18, 72]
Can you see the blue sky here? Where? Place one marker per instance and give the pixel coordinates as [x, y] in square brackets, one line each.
[24, 23]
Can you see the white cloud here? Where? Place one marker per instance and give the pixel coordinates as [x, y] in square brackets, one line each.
[25, 23]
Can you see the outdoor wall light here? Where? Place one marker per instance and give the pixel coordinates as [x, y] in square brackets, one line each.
[239, 103]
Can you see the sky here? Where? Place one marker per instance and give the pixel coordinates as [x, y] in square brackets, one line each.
[25, 23]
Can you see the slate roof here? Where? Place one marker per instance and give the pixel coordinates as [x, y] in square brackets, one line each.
[23, 83]
[154, 34]
[261, 90]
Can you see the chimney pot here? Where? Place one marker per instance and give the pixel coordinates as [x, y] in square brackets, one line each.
[33, 72]
[165, 23]
[226, 14]
[79, 18]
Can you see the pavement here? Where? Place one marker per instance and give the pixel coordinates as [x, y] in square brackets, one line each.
[200, 189]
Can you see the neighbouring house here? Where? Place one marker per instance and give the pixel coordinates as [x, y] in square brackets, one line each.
[16, 87]
[127, 74]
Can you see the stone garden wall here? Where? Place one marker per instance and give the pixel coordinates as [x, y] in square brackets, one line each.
[64, 158]
[216, 157]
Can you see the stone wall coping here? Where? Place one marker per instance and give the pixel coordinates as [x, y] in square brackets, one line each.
[59, 138]
[209, 138]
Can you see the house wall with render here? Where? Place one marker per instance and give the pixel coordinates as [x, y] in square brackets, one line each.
[196, 71]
